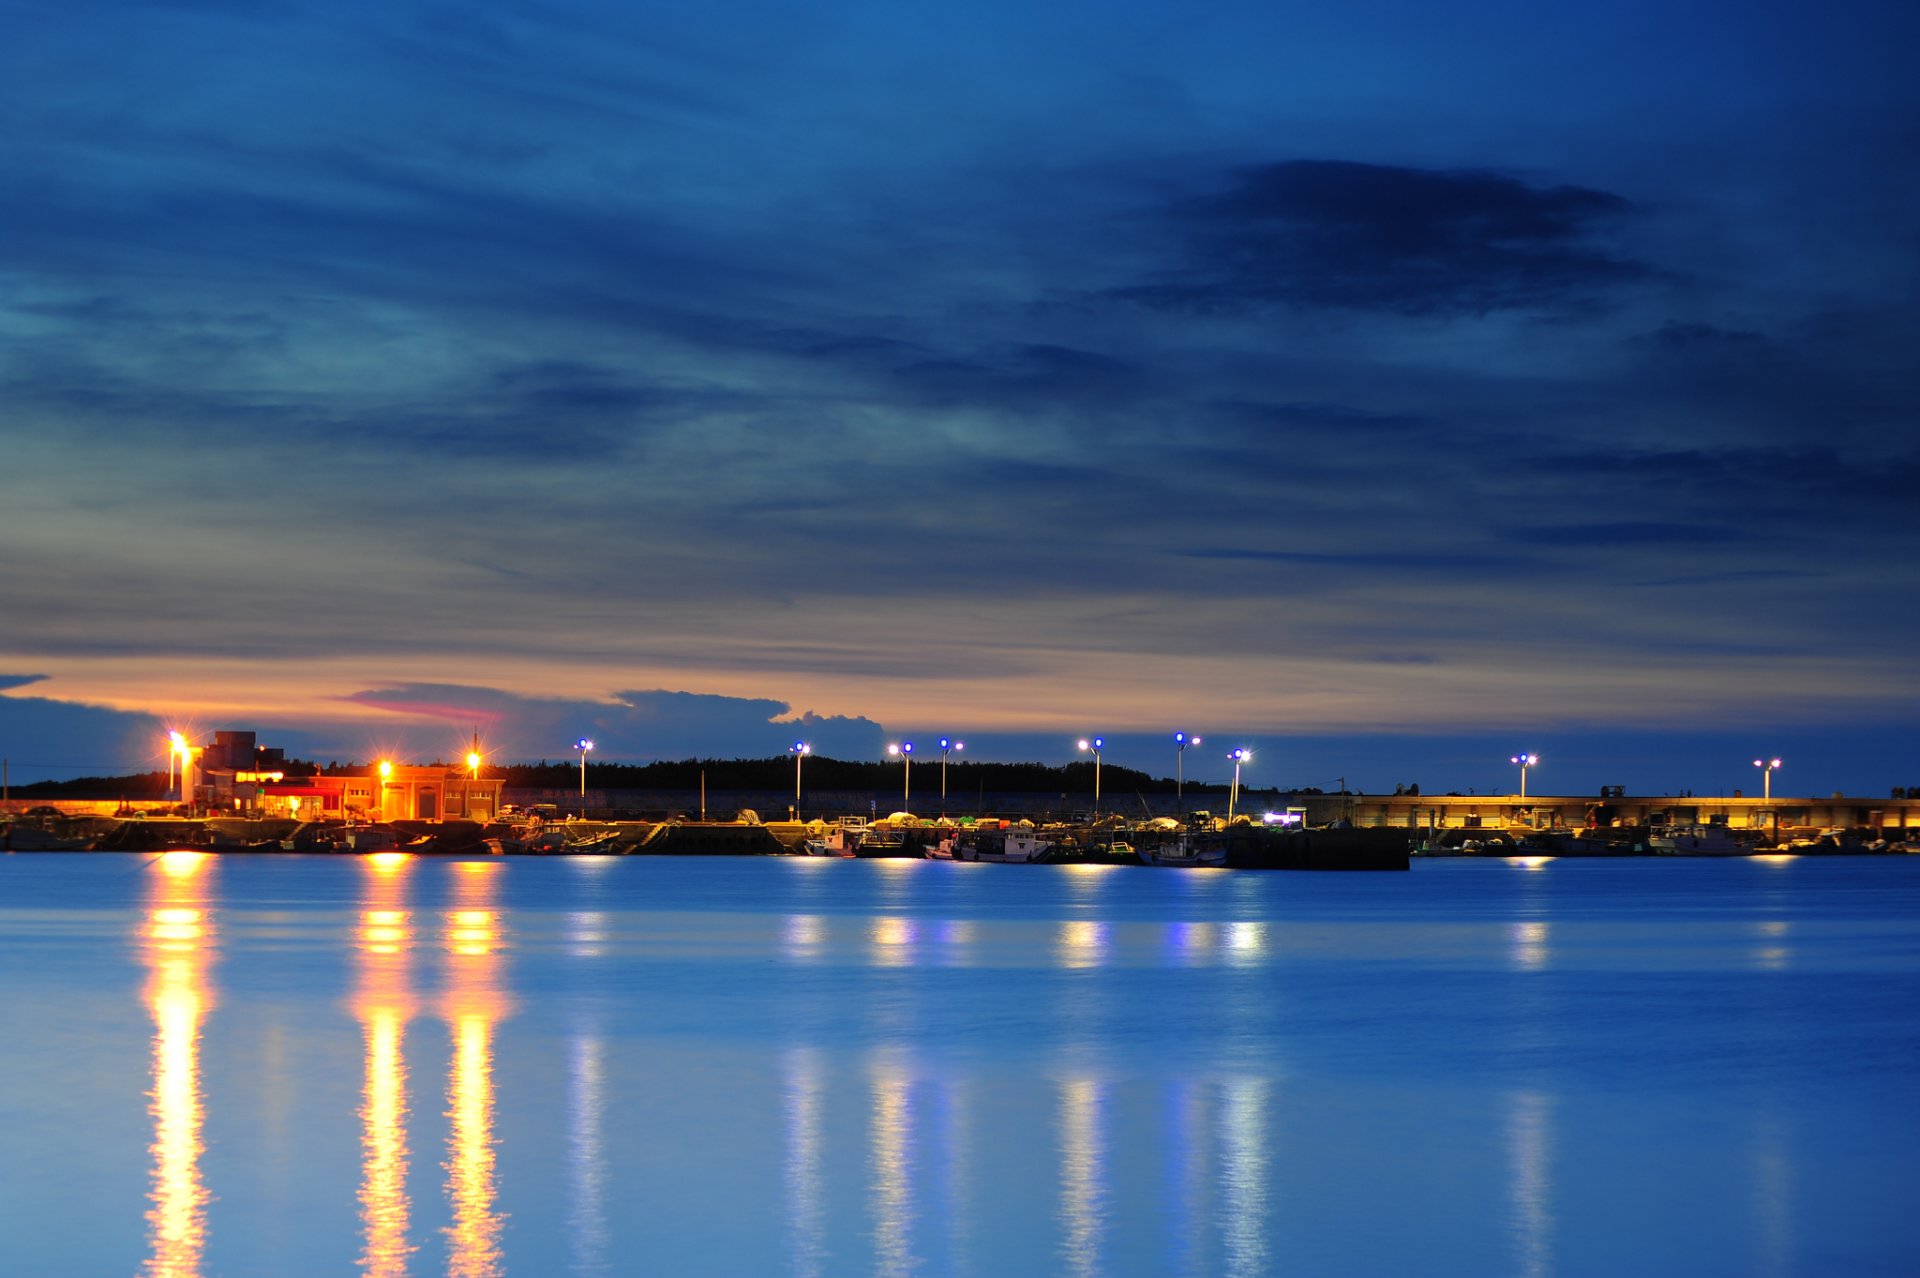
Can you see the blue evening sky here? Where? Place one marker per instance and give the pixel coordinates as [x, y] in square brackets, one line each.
[1386, 386]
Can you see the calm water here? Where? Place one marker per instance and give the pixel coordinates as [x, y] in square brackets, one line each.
[292, 1066]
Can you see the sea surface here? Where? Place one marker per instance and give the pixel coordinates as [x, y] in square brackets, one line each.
[285, 1066]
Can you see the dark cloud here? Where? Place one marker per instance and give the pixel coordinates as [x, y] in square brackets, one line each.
[49, 739]
[1339, 419]
[1652, 533]
[1408, 561]
[628, 726]
[1370, 237]
[1692, 337]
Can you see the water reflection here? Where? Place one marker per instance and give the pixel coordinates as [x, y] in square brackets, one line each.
[894, 941]
[586, 1159]
[1773, 1193]
[1243, 1175]
[177, 949]
[891, 1164]
[1191, 943]
[383, 1003]
[1186, 1175]
[1083, 1175]
[1529, 1148]
[1246, 944]
[1773, 953]
[587, 930]
[956, 1114]
[1528, 946]
[474, 1003]
[1083, 943]
[805, 1182]
[803, 937]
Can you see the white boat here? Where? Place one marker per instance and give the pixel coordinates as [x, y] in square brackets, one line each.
[1696, 840]
[844, 839]
[1014, 847]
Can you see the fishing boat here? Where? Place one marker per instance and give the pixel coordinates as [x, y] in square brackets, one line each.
[1696, 840]
[1009, 847]
[1184, 852]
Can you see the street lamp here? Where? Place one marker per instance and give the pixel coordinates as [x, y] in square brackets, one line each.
[945, 747]
[799, 750]
[1239, 757]
[1094, 746]
[1182, 741]
[1766, 767]
[1525, 761]
[473, 775]
[904, 751]
[583, 745]
[386, 784]
[176, 748]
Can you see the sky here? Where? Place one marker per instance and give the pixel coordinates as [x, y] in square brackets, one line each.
[1387, 387]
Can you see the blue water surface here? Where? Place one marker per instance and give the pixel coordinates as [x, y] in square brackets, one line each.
[281, 1065]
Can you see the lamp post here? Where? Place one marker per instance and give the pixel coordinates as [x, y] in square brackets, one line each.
[946, 747]
[1181, 741]
[1525, 761]
[473, 774]
[904, 751]
[583, 745]
[176, 746]
[1094, 747]
[799, 750]
[1239, 757]
[386, 783]
[1766, 767]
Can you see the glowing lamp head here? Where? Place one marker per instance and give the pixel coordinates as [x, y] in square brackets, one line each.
[1526, 760]
[945, 744]
[800, 747]
[473, 762]
[1768, 764]
[583, 745]
[1241, 755]
[906, 747]
[386, 769]
[959, 745]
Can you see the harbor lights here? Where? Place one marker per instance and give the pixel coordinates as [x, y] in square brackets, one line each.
[799, 750]
[1766, 767]
[176, 751]
[904, 752]
[474, 759]
[583, 745]
[1239, 757]
[1181, 741]
[386, 785]
[1094, 746]
[946, 747]
[1525, 761]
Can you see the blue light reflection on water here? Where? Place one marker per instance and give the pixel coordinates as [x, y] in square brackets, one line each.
[297, 1065]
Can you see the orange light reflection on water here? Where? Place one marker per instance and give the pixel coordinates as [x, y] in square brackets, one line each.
[383, 1003]
[474, 1004]
[177, 948]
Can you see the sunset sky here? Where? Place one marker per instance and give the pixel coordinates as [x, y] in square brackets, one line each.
[1388, 386]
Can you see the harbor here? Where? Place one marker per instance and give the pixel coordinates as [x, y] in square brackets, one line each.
[1331, 832]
